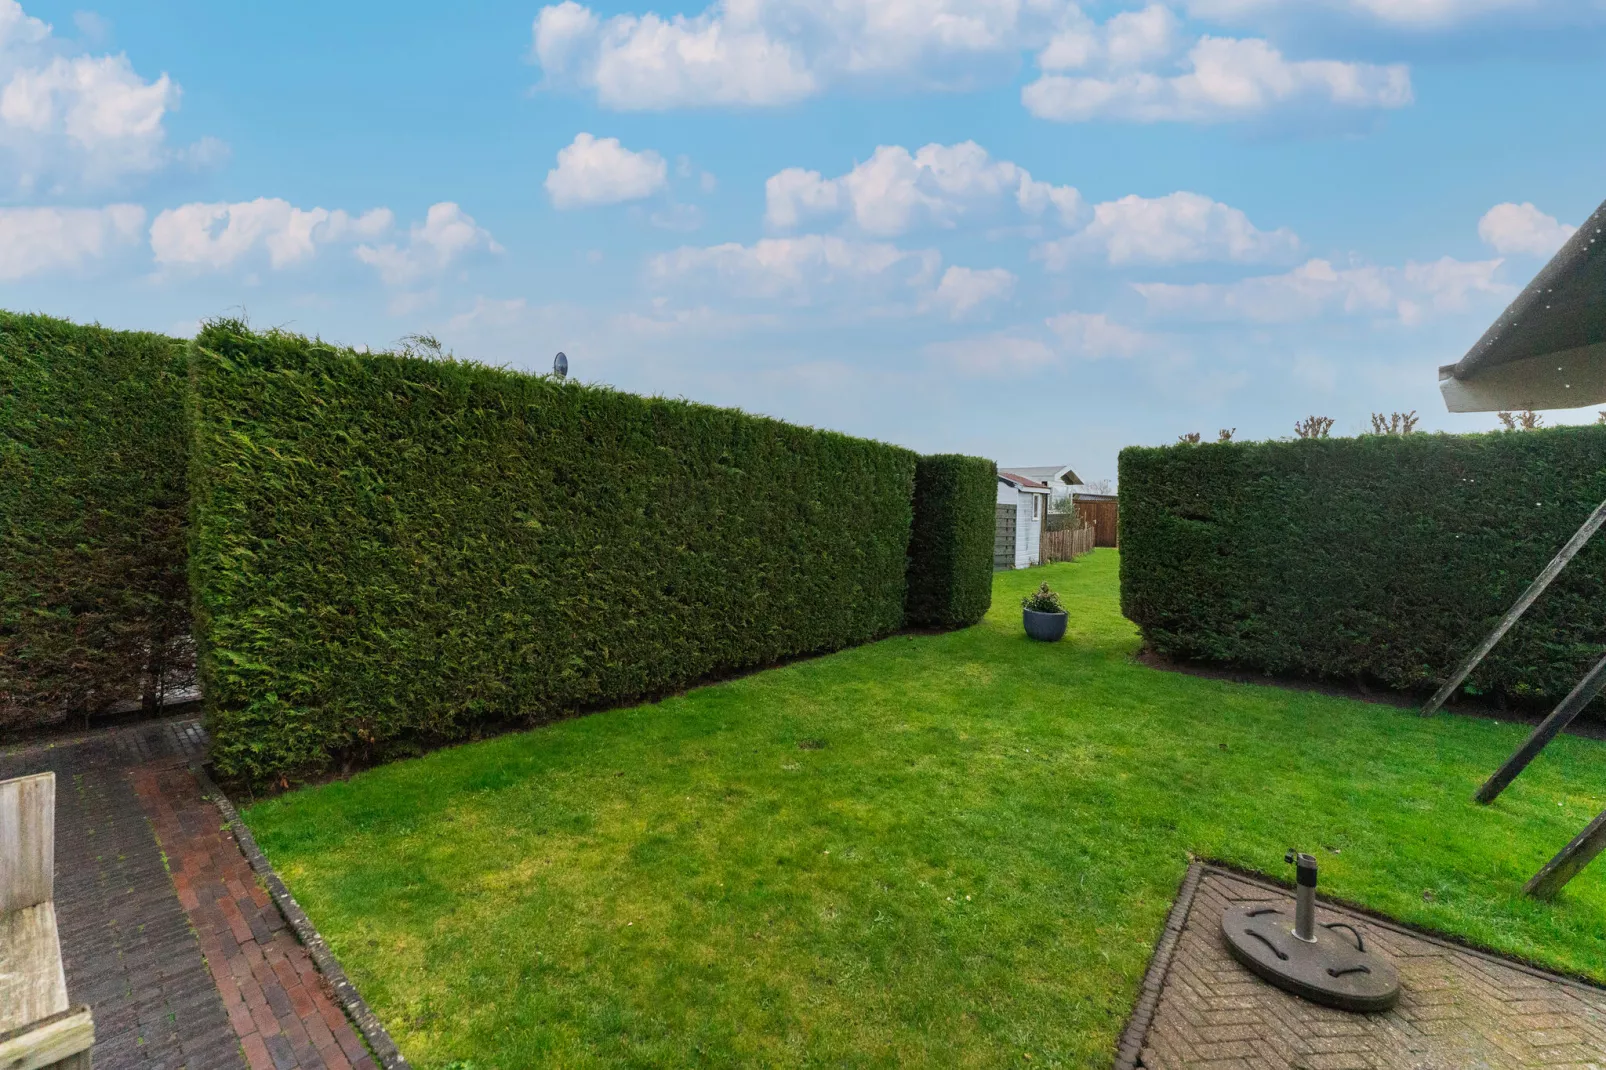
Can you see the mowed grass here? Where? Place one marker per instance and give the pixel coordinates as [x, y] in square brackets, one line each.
[951, 850]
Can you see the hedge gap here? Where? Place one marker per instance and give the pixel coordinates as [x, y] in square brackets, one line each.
[1381, 558]
[94, 606]
[387, 551]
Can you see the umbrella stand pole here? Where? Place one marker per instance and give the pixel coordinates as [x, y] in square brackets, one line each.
[1562, 716]
[1569, 861]
[1535, 589]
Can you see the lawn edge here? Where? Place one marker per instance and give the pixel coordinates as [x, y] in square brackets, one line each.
[1129, 1049]
[346, 995]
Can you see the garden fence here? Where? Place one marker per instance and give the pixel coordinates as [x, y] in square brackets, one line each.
[1104, 516]
[1067, 544]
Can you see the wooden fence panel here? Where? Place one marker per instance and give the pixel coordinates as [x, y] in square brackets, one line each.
[1067, 544]
[1105, 518]
[1004, 537]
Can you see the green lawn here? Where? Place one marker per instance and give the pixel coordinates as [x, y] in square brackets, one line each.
[934, 850]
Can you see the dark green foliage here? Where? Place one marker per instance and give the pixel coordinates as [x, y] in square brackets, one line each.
[389, 550]
[1384, 557]
[951, 549]
[1043, 600]
[94, 608]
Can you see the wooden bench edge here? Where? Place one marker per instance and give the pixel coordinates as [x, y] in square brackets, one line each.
[48, 1041]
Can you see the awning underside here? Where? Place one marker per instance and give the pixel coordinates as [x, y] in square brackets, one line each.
[1548, 349]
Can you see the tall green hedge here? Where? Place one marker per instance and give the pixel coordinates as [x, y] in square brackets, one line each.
[1384, 558]
[393, 549]
[94, 608]
[951, 547]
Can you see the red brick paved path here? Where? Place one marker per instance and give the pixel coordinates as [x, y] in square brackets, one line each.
[1458, 1009]
[273, 994]
[187, 964]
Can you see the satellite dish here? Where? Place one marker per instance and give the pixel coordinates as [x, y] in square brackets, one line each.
[560, 366]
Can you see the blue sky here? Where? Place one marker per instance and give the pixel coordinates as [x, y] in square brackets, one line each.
[1027, 229]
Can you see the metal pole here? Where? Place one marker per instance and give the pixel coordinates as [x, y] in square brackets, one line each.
[1304, 895]
[1562, 716]
[1569, 861]
[1535, 589]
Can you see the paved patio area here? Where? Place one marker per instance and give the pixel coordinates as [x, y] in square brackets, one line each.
[185, 960]
[1458, 1010]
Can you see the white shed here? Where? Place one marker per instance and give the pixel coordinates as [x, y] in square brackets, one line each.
[1018, 525]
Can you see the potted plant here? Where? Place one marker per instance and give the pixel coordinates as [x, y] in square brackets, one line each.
[1044, 615]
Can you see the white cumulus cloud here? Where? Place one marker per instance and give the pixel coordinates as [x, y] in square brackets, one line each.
[18, 29]
[964, 290]
[771, 52]
[1092, 335]
[34, 241]
[1409, 14]
[1137, 66]
[993, 354]
[1132, 39]
[846, 277]
[1317, 289]
[70, 120]
[1178, 228]
[896, 190]
[446, 235]
[1140, 67]
[650, 63]
[798, 270]
[593, 171]
[218, 235]
[1521, 228]
[1025, 349]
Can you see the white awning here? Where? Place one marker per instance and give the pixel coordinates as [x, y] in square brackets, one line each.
[1548, 349]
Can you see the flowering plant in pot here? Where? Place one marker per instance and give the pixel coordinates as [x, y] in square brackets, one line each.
[1044, 615]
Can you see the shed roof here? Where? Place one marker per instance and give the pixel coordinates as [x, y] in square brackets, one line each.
[1045, 474]
[1548, 349]
[1014, 479]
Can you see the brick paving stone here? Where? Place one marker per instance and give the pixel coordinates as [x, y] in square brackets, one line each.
[1459, 1009]
[271, 992]
[186, 963]
[126, 942]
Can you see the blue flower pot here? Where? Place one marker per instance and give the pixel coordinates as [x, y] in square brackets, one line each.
[1047, 627]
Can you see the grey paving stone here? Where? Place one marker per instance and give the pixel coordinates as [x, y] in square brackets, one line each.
[1459, 1009]
[127, 945]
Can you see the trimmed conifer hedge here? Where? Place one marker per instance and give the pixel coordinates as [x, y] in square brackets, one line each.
[1384, 558]
[951, 546]
[389, 550]
[94, 607]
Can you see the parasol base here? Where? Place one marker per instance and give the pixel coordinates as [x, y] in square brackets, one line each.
[1335, 969]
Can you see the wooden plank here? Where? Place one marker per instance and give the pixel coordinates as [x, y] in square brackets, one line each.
[1569, 861]
[32, 982]
[1004, 536]
[1562, 716]
[62, 1041]
[1535, 589]
[1105, 518]
[1067, 544]
[27, 841]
